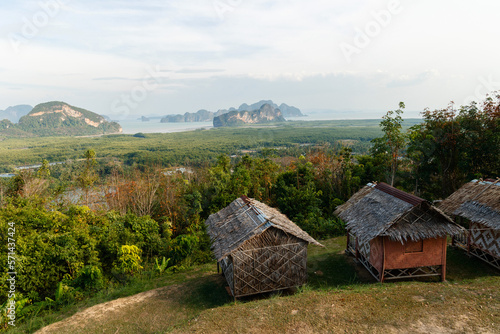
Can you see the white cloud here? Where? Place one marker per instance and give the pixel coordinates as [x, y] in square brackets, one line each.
[429, 53]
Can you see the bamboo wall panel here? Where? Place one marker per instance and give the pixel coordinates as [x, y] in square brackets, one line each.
[486, 239]
[269, 268]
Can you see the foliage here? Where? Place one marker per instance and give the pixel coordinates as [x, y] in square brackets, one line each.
[129, 260]
[51, 119]
[452, 147]
[88, 176]
[67, 252]
[389, 147]
[188, 148]
[89, 278]
[160, 268]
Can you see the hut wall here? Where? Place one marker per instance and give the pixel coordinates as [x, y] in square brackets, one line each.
[377, 253]
[431, 252]
[269, 268]
[485, 238]
[228, 270]
[364, 249]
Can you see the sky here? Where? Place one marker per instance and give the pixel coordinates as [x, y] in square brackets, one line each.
[354, 58]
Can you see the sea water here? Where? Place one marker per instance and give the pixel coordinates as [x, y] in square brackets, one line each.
[154, 126]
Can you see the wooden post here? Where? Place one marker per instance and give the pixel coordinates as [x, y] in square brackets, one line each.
[357, 250]
[469, 233]
[383, 261]
[443, 261]
[217, 267]
[347, 245]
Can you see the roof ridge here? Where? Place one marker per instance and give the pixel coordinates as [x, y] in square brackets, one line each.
[400, 194]
[489, 185]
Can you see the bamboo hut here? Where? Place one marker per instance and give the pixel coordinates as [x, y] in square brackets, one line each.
[258, 248]
[477, 205]
[395, 234]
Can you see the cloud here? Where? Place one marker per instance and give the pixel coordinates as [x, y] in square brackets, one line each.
[113, 78]
[412, 80]
[206, 70]
[287, 50]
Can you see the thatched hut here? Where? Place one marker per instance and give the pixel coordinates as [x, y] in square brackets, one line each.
[395, 234]
[477, 204]
[258, 248]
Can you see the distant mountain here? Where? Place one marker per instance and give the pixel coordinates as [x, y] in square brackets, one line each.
[208, 116]
[257, 105]
[59, 119]
[14, 113]
[290, 111]
[199, 116]
[265, 114]
[287, 111]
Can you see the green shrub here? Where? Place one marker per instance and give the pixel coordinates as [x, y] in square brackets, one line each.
[90, 278]
[129, 260]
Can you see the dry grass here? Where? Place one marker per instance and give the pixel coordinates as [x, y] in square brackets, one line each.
[339, 298]
[424, 308]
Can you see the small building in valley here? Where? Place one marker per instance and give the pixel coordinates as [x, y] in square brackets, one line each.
[477, 206]
[258, 248]
[395, 234]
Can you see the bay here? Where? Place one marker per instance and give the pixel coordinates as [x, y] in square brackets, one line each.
[131, 126]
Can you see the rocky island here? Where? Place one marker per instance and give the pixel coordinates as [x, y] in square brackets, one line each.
[208, 116]
[265, 114]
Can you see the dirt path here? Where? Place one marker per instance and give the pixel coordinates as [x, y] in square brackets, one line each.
[135, 314]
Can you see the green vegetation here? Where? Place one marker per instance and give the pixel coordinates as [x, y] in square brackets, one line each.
[434, 158]
[339, 296]
[185, 148]
[58, 119]
[143, 215]
[452, 147]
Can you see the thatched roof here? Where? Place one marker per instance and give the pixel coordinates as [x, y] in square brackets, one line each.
[478, 201]
[244, 219]
[479, 213]
[381, 210]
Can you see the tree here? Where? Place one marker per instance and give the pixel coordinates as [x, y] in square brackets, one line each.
[28, 183]
[452, 147]
[44, 170]
[480, 137]
[393, 138]
[88, 176]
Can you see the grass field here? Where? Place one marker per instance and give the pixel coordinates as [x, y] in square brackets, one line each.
[340, 297]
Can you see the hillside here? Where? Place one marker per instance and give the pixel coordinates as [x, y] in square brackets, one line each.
[340, 297]
[265, 114]
[59, 119]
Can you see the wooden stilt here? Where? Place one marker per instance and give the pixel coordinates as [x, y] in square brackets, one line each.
[443, 261]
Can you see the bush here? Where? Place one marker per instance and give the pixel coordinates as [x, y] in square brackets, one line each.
[321, 228]
[90, 278]
[129, 260]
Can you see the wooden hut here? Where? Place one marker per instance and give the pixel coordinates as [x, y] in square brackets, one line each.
[477, 205]
[395, 234]
[258, 248]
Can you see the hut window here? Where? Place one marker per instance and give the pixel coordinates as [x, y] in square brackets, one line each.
[414, 246]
